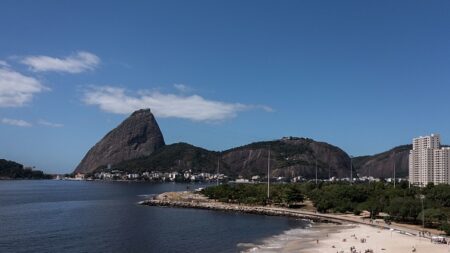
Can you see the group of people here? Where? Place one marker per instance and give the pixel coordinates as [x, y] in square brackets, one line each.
[353, 248]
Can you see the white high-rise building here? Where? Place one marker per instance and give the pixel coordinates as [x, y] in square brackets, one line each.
[441, 173]
[428, 162]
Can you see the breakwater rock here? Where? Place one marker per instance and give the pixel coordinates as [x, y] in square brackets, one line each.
[200, 202]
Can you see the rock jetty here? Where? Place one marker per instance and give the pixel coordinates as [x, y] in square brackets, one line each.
[198, 201]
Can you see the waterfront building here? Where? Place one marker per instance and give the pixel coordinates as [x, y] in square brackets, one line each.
[428, 161]
[441, 166]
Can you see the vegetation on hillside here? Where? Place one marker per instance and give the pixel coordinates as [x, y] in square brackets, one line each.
[290, 157]
[175, 156]
[280, 147]
[13, 170]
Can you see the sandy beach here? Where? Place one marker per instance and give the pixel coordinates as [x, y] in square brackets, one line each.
[379, 240]
[340, 238]
[346, 231]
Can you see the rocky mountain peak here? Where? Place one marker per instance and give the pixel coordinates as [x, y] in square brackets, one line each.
[137, 136]
[141, 111]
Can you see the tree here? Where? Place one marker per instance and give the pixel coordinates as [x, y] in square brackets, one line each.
[433, 217]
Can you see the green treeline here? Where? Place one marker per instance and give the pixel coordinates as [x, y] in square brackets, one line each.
[401, 204]
[256, 194]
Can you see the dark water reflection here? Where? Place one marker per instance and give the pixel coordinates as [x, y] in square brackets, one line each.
[66, 216]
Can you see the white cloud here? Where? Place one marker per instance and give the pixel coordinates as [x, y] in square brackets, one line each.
[15, 122]
[182, 88]
[192, 107]
[17, 89]
[49, 124]
[3, 64]
[79, 62]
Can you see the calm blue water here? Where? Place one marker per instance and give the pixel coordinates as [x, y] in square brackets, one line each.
[67, 216]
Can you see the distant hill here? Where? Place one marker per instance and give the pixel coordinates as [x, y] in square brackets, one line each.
[289, 157]
[174, 157]
[137, 144]
[13, 170]
[382, 165]
[137, 136]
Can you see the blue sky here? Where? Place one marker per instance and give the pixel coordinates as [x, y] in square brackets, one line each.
[361, 75]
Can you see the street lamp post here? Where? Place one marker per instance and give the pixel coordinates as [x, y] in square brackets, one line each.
[351, 169]
[268, 175]
[316, 171]
[394, 171]
[423, 213]
[394, 176]
[218, 167]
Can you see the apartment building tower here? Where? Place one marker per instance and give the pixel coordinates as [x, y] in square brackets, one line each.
[428, 162]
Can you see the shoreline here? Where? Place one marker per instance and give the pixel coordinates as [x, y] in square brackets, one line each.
[349, 229]
[186, 199]
[364, 238]
[218, 206]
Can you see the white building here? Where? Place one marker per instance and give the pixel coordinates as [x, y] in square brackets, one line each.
[441, 173]
[428, 162]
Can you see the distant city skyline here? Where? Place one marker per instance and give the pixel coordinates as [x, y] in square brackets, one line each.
[364, 76]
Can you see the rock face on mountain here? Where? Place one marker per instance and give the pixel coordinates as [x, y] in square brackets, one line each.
[382, 165]
[137, 144]
[138, 136]
[290, 157]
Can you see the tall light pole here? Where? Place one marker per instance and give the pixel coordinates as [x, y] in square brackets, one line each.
[316, 171]
[394, 170]
[351, 169]
[394, 175]
[218, 167]
[268, 175]
[423, 213]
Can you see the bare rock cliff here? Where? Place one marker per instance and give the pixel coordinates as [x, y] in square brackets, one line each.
[138, 136]
[382, 165]
[290, 157]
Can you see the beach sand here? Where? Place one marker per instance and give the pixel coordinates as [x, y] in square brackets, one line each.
[379, 240]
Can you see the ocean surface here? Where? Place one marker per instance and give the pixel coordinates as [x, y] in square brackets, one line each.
[80, 216]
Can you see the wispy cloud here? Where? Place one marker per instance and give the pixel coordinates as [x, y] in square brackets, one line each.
[192, 107]
[182, 88]
[77, 63]
[16, 122]
[17, 89]
[3, 64]
[49, 124]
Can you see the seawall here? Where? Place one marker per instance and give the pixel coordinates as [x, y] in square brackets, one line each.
[217, 206]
